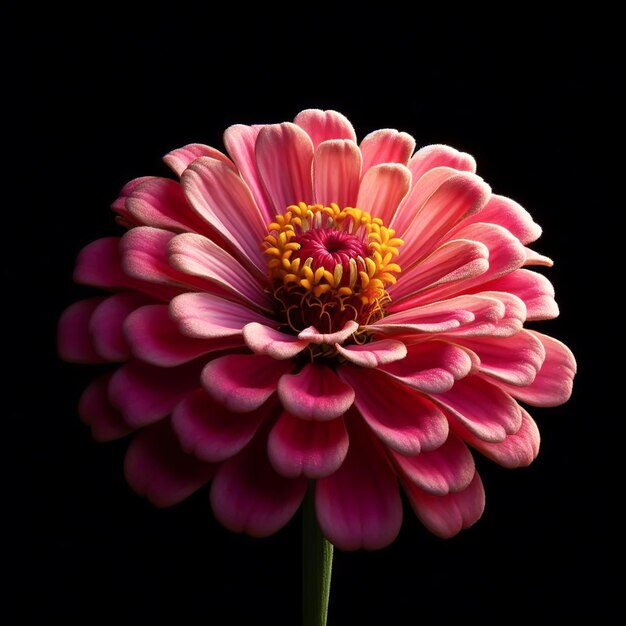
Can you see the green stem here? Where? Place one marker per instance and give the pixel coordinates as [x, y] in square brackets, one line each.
[317, 564]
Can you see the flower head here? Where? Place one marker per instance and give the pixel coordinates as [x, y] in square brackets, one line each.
[308, 307]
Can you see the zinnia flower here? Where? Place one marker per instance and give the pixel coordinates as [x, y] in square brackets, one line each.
[308, 307]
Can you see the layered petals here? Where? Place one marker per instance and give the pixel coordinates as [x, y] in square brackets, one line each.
[323, 126]
[337, 173]
[438, 155]
[382, 189]
[386, 146]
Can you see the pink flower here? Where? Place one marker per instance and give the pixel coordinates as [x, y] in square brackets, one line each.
[271, 334]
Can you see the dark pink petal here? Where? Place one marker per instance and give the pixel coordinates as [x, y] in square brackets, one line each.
[74, 341]
[100, 264]
[437, 155]
[386, 146]
[374, 353]
[402, 418]
[506, 254]
[240, 142]
[119, 204]
[430, 366]
[208, 316]
[155, 338]
[221, 198]
[198, 256]
[382, 189]
[454, 261]
[145, 394]
[417, 196]
[508, 214]
[446, 516]
[517, 450]
[106, 325]
[284, 155]
[161, 203]
[144, 256]
[248, 496]
[309, 448]
[325, 125]
[553, 384]
[96, 410]
[210, 431]
[359, 505]
[159, 470]
[312, 335]
[463, 313]
[514, 360]
[456, 198]
[315, 393]
[534, 289]
[262, 339]
[243, 382]
[180, 159]
[449, 468]
[337, 173]
[482, 407]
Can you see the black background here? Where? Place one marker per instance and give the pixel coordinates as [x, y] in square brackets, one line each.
[96, 97]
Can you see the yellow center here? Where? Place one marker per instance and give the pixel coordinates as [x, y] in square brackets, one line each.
[329, 265]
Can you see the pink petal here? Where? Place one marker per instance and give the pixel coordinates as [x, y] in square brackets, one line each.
[483, 408]
[374, 353]
[207, 316]
[420, 192]
[382, 189]
[553, 384]
[451, 262]
[180, 159]
[323, 126]
[312, 335]
[222, 199]
[534, 289]
[243, 382]
[401, 418]
[74, 341]
[314, 449]
[211, 432]
[155, 338]
[262, 339]
[161, 203]
[119, 204]
[386, 146]
[284, 155]
[506, 254]
[159, 470]
[100, 264]
[99, 414]
[106, 325]
[457, 197]
[449, 468]
[508, 214]
[514, 360]
[145, 394]
[534, 258]
[315, 393]
[430, 366]
[517, 450]
[337, 173]
[437, 155]
[240, 142]
[144, 257]
[463, 313]
[359, 505]
[446, 516]
[248, 496]
[196, 255]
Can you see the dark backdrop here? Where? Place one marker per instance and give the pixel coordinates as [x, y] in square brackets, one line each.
[96, 98]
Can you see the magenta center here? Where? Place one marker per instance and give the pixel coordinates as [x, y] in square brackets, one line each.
[328, 247]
